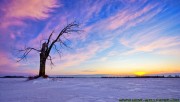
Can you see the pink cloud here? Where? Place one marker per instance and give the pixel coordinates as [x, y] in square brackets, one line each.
[159, 43]
[150, 41]
[35, 9]
[6, 64]
[126, 16]
[9, 22]
[167, 51]
[5, 60]
[144, 18]
[16, 10]
[93, 10]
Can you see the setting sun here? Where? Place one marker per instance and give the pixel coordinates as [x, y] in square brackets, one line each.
[139, 73]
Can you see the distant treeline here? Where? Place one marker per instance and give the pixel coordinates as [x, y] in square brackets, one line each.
[13, 77]
[169, 76]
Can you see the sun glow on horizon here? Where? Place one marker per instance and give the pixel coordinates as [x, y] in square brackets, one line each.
[140, 73]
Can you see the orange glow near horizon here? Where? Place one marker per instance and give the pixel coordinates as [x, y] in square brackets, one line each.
[115, 71]
[140, 73]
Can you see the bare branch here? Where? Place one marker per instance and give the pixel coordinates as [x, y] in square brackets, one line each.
[30, 48]
[66, 38]
[72, 27]
[58, 51]
[51, 62]
[26, 52]
[63, 43]
[50, 37]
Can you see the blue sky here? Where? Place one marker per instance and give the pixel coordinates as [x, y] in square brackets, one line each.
[119, 36]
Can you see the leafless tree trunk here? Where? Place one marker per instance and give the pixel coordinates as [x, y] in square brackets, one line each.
[49, 44]
[43, 57]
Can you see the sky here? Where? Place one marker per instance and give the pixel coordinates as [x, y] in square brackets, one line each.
[120, 37]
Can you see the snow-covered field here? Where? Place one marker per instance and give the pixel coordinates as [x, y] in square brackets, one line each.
[87, 89]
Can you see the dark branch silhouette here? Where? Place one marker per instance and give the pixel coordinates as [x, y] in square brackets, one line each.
[46, 47]
[26, 52]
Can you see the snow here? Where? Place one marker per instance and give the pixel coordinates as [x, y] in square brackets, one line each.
[87, 89]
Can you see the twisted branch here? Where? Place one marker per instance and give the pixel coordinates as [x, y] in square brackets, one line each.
[26, 52]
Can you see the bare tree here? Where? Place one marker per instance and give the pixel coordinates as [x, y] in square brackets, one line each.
[47, 46]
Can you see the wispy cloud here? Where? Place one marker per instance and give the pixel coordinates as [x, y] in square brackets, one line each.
[151, 41]
[89, 71]
[169, 51]
[33, 9]
[124, 17]
[82, 54]
[17, 10]
[6, 64]
[14, 17]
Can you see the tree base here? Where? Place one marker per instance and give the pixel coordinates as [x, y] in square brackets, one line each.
[37, 76]
[45, 76]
